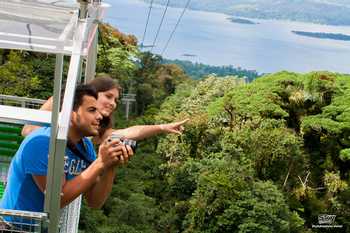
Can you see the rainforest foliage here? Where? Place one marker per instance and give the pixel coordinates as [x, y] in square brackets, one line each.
[268, 156]
[199, 70]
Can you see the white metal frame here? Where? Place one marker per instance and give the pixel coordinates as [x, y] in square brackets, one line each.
[82, 27]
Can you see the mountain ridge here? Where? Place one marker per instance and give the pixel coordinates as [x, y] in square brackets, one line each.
[331, 12]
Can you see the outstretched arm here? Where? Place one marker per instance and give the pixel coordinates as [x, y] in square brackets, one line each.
[27, 129]
[140, 132]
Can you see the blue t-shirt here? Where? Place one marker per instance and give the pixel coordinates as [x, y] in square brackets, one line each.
[21, 192]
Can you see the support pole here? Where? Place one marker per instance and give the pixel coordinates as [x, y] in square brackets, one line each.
[56, 160]
[59, 136]
[127, 110]
[92, 54]
[91, 60]
[49, 201]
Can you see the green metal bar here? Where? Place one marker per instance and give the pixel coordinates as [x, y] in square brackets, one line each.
[11, 137]
[10, 129]
[7, 152]
[9, 145]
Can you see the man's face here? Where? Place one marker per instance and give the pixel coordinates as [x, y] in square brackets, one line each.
[86, 119]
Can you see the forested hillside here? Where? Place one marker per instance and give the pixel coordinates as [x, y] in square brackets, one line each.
[338, 11]
[199, 70]
[268, 156]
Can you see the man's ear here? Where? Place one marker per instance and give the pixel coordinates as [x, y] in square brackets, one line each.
[73, 118]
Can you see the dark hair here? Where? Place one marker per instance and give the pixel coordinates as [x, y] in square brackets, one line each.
[104, 82]
[81, 91]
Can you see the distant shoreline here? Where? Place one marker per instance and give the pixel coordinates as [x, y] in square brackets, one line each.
[337, 16]
[242, 21]
[323, 35]
[216, 41]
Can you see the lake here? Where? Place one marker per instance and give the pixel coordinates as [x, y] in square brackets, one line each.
[213, 39]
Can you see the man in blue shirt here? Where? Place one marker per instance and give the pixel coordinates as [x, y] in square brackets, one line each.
[84, 172]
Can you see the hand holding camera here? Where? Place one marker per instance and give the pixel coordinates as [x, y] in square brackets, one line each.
[115, 151]
[124, 141]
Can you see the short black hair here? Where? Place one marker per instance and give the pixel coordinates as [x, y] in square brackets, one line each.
[81, 91]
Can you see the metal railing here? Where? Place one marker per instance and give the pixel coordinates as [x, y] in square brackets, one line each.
[14, 220]
[22, 221]
[24, 102]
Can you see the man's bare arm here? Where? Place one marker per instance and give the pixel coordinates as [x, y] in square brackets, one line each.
[27, 129]
[109, 156]
[103, 186]
[73, 188]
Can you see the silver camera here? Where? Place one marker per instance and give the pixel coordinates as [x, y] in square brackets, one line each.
[124, 141]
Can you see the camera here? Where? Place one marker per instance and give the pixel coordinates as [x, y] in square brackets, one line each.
[124, 141]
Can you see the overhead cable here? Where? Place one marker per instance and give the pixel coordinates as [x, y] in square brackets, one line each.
[160, 25]
[148, 16]
[177, 24]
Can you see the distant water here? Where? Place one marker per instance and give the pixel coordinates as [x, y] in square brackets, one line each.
[268, 46]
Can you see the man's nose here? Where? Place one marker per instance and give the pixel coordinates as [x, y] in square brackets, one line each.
[98, 116]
